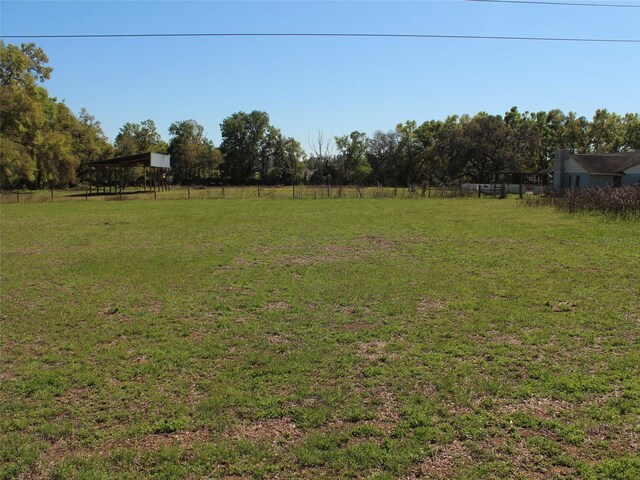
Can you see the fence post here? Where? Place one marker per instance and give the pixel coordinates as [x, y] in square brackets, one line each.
[294, 190]
[51, 189]
[520, 186]
[223, 190]
[86, 194]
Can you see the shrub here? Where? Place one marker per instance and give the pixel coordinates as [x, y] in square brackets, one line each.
[623, 202]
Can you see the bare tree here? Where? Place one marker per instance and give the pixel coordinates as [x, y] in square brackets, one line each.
[322, 153]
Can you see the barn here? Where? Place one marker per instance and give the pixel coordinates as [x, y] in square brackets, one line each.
[572, 170]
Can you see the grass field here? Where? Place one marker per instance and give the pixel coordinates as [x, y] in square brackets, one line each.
[436, 338]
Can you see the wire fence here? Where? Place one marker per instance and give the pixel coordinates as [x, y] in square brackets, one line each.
[233, 192]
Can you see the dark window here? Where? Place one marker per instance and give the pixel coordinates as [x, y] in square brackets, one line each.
[577, 180]
[617, 181]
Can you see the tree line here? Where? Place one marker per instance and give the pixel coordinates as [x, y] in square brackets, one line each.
[43, 143]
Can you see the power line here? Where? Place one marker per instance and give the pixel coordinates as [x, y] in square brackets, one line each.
[562, 4]
[343, 35]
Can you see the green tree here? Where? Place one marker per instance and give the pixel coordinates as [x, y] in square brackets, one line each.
[353, 166]
[43, 142]
[450, 147]
[485, 145]
[575, 136]
[139, 138]
[193, 156]
[245, 146]
[23, 66]
[286, 159]
[21, 114]
[631, 123]
[606, 132]
[383, 156]
[526, 152]
[21, 122]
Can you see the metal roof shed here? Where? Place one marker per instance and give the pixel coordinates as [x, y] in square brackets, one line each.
[156, 170]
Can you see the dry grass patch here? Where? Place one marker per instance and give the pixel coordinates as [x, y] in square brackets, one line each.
[277, 340]
[276, 431]
[428, 304]
[443, 462]
[277, 305]
[371, 351]
[543, 408]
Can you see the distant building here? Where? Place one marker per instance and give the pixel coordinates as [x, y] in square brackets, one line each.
[572, 170]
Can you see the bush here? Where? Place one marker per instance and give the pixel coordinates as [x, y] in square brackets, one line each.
[623, 202]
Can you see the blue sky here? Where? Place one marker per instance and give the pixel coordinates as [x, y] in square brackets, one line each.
[336, 85]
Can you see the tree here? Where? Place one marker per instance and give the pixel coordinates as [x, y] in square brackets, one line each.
[408, 151]
[287, 158]
[21, 122]
[632, 131]
[352, 158]
[550, 125]
[485, 145]
[43, 142]
[193, 156]
[606, 132]
[21, 114]
[383, 156]
[575, 135]
[244, 144]
[23, 66]
[319, 164]
[139, 138]
[450, 147]
[524, 143]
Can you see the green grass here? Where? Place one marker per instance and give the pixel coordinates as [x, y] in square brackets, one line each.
[362, 338]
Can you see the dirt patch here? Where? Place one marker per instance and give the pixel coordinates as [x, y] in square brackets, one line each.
[631, 317]
[428, 304]
[387, 415]
[443, 461]
[356, 326]
[277, 340]
[371, 351]
[154, 307]
[278, 305]
[182, 439]
[504, 339]
[244, 262]
[361, 248]
[277, 430]
[544, 408]
[564, 307]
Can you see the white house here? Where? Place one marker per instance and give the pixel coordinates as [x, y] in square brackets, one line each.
[572, 170]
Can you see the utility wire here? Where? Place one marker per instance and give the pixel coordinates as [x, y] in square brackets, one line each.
[343, 35]
[561, 4]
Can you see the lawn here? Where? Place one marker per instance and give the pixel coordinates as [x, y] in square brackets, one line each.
[388, 338]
